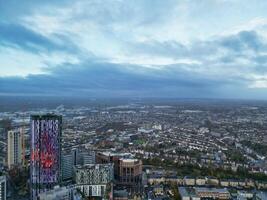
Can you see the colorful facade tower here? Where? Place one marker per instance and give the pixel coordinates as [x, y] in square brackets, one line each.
[45, 153]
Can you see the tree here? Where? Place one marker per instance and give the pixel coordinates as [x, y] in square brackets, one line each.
[6, 124]
[176, 194]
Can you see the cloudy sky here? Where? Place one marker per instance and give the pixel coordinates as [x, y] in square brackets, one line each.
[134, 48]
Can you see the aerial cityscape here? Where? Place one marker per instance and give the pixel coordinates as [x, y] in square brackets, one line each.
[137, 150]
[133, 100]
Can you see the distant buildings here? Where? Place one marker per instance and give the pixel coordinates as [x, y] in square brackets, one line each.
[3, 189]
[45, 144]
[95, 180]
[14, 148]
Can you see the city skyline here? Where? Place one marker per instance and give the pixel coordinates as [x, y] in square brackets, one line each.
[184, 49]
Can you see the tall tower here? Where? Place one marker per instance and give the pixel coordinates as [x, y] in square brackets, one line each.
[22, 130]
[3, 189]
[45, 153]
[14, 148]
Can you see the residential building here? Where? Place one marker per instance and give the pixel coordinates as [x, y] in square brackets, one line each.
[189, 181]
[200, 181]
[95, 180]
[224, 183]
[212, 193]
[14, 148]
[198, 193]
[87, 157]
[3, 187]
[127, 170]
[67, 167]
[45, 165]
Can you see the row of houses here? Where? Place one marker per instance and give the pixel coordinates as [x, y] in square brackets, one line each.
[205, 181]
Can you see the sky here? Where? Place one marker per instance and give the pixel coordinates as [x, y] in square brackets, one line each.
[134, 48]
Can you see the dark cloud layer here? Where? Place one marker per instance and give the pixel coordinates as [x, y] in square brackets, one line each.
[110, 80]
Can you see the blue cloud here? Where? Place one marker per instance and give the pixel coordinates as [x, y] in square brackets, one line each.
[15, 35]
[92, 79]
[133, 48]
[243, 41]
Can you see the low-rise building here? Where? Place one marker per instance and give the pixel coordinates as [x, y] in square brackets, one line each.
[184, 193]
[180, 180]
[242, 183]
[250, 183]
[214, 193]
[212, 181]
[233, 183]
[245, 194]
[171, 179]
[189, 181]
[200, 181]
[224, 183]
[158, 190]
[155, 179]
[261, 185]
[198, 193]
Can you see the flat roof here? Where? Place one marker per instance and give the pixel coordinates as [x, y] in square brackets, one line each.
[109, 153]
[129, 160]
[93, 166]
[205, 189]
[46, 116]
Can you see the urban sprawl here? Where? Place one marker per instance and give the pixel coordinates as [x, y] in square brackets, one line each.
[187, 151]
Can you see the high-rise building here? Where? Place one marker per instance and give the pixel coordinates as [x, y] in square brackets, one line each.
[14, 148]
[95, 180]
[73, 158]
[45, 153]
[2, 188]
[87, 157]
[127, 170]
[75, 155]
[67, 167]
[130, 173]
